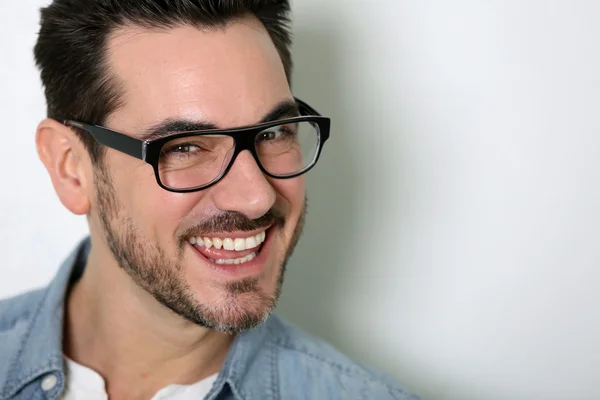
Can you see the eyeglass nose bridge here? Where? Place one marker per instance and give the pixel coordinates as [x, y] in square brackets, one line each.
[241, 142]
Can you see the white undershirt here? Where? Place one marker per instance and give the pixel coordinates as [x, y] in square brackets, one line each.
[85, 383]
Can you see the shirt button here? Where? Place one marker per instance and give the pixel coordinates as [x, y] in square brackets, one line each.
[49, 382]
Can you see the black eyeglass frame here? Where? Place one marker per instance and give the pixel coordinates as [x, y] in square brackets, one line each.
[244, 139]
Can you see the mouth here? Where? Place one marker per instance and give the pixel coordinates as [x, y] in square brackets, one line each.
[233, 253]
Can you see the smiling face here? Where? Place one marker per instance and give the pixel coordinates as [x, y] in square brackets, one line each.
[216, 257]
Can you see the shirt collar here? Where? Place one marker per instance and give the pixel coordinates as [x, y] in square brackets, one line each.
[41, 350]
[243, 351]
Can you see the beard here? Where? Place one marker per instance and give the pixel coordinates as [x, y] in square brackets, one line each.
[241, 304]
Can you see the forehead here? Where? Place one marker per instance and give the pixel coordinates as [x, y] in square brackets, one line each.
[230, 76]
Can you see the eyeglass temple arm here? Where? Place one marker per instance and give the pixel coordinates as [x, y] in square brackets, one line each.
[115, 140]
[305, 109]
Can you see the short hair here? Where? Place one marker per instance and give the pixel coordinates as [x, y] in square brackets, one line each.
[71, 50]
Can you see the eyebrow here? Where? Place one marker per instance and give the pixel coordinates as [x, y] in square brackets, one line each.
[285, 109]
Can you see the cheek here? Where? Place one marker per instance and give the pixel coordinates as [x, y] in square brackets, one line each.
[291, 194]
[156, 212]
[159, 210]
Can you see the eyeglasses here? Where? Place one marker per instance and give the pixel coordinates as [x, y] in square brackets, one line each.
[195, 160]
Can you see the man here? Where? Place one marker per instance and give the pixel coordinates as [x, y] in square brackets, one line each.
[172, 127]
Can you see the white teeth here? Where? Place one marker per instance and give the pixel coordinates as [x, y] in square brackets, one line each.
[251, 242]
[228, 244]
[236, 261]
[239, 244]
[218, 243]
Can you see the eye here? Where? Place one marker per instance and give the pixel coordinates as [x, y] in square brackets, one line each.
[182, 148]
[185, 148]
[279, 133]
[269, 135]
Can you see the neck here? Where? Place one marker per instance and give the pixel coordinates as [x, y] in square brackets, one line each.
[138, 346]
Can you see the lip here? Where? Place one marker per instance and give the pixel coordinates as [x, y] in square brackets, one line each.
[249, 269]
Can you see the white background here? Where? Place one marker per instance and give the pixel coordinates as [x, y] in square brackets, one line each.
[453, 232]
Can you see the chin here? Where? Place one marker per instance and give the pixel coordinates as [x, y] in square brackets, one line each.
[233, 305]
[236, 312]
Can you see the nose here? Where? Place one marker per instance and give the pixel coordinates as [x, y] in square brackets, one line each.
[244, 189]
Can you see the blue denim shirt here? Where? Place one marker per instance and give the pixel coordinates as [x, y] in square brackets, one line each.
[273, 361]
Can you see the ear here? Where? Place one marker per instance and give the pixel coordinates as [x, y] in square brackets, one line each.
[65, 158]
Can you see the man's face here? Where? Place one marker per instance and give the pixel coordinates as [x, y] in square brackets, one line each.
[229, 77]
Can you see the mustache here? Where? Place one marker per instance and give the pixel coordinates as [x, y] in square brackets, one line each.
[230, 221]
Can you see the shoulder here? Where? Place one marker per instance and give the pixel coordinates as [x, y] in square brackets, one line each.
[16, 315]
[18, 309]
[309, 363]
